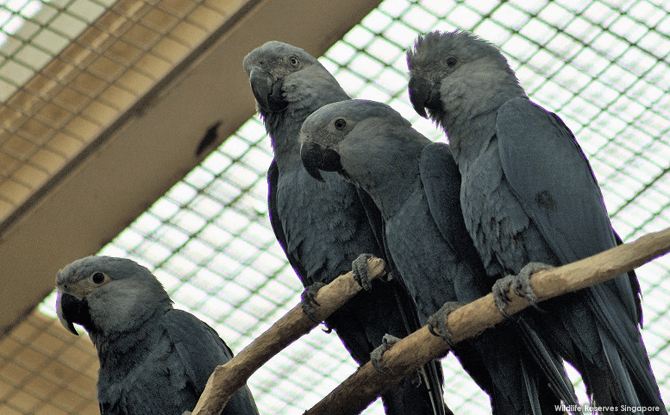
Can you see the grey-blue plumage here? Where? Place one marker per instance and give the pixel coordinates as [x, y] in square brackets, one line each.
[153, 359]
[529, 195]
[324, 226]
[416, 186]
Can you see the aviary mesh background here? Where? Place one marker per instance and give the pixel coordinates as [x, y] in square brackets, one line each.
[601, 65]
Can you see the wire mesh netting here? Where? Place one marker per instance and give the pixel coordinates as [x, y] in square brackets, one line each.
[602, 66]
[68, 68]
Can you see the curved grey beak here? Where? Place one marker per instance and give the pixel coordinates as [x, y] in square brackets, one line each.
[59, 311]
[266, 89]
[423, 94]
[315, 157]
[72, 310]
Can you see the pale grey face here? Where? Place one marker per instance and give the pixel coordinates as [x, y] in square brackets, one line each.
[450, 65]
[106, 294]
[267, 67]
[324, 130]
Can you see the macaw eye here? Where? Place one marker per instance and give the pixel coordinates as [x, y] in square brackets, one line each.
[293, 60]
[98, 277]
[451, 61]
[340, 124]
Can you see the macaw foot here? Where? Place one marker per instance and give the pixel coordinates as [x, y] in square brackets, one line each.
[521, 285]
[387, 342]
[359, 266]
[308, 298]
[437, 323]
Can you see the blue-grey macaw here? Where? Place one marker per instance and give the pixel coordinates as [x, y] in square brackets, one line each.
[325, 227]
[416, 185]
[530, 200]
[154, 360]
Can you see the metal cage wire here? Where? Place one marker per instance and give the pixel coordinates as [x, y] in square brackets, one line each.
[67, 70]
[601, 65]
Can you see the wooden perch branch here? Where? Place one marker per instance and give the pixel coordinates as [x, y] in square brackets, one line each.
[227, 379]
[362, 387]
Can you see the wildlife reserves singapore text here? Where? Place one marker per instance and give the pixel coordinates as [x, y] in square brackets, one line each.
[604, 409]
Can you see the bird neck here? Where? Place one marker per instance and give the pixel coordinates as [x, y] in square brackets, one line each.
[471, 106]
[389, 174]
[117, 343]
[284, 129]
[467, 139]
